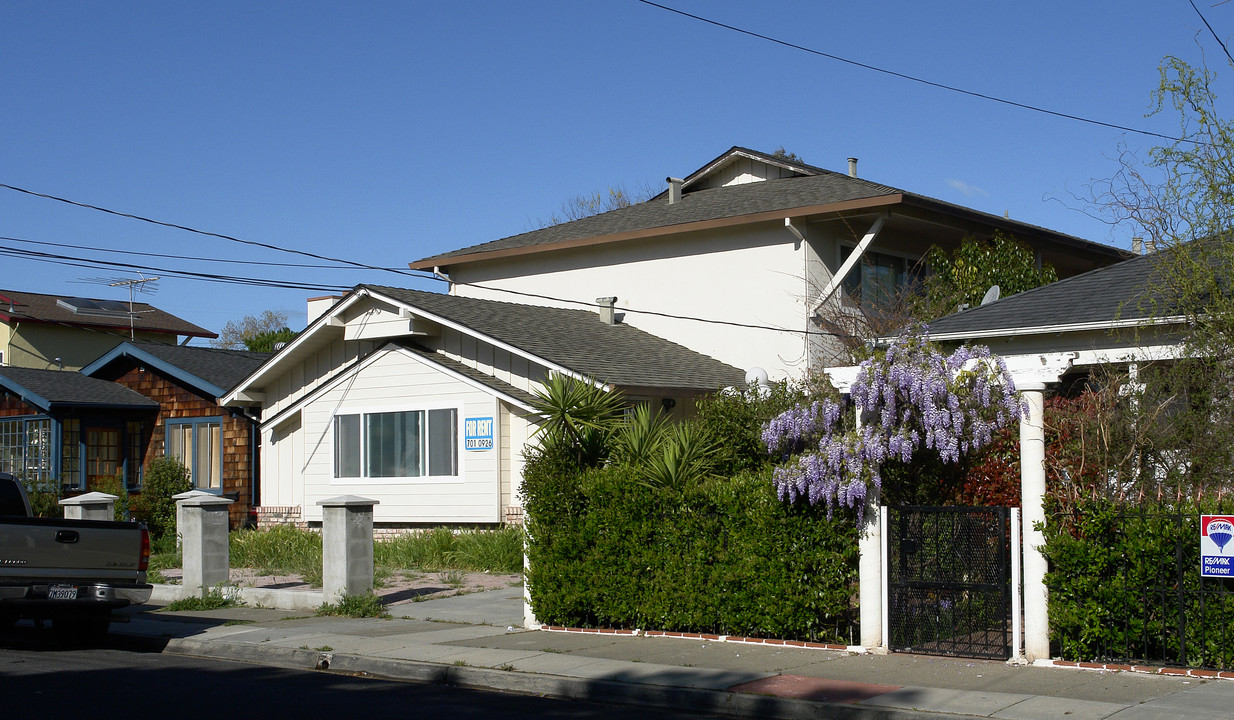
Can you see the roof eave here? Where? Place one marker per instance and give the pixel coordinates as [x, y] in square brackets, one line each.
[871, 203]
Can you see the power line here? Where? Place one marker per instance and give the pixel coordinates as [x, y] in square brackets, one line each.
[78, 246]
[207, 233]
[923, 81]
[1214, 32]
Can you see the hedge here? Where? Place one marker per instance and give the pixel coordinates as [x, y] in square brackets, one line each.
[725, 557]
[1114, 590]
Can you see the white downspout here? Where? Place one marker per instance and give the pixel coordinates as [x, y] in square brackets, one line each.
[848, 265]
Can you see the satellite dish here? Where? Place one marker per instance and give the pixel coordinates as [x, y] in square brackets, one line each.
[756, 376]
[990, 295]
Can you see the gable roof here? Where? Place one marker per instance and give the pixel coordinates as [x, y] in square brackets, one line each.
[56, 389]
[1119, 295]
[814, 192]
[44, 309]
[579, 340]
[212, 370]
[498, 386]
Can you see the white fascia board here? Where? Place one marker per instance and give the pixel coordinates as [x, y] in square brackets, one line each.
[327, 319]
[372, 357]
[1045, 329]
[490, 340]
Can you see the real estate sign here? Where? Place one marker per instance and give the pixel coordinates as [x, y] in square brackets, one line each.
[1216, 550]
[478, 433]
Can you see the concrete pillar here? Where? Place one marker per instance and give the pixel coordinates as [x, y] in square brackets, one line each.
[1032, 497]
[204, 537]
[347, 546]
[90, 506]
[180, 510]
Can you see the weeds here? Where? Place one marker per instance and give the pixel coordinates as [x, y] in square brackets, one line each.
[356, 606]
[212, 600]
[280, 550]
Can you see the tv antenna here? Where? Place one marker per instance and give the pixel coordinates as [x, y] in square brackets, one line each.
[140, 284]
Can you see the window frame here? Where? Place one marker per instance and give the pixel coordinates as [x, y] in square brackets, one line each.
[425, 444]
[908, 263]
[193, 452]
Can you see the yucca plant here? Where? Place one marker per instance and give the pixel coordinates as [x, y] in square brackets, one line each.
[577, 417]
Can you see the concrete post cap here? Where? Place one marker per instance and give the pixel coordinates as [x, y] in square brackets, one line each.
[191, 494]
[90, 498]
[348, 501]
[206, 500]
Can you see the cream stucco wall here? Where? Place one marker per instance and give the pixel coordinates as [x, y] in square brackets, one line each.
[752, 276]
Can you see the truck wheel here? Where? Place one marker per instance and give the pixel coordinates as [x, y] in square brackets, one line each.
[85, 627]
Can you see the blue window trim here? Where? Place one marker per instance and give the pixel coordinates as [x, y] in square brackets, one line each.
[196, 423]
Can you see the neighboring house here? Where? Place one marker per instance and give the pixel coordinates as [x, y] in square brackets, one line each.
[1105, 316]
[59, 426]
[61, 332]
[218, 445]
[423, 401]
[753, 259]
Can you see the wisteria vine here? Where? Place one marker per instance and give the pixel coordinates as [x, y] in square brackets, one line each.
[911, 397]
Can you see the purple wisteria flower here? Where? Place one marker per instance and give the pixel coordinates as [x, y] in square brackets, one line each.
[911, 397]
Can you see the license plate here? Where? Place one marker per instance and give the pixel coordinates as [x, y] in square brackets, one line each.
[62, 592]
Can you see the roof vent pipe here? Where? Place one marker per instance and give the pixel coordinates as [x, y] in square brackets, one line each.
[852, 167]
[608, 312]
[674, 190]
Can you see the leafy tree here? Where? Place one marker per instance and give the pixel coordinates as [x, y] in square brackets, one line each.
[1181, 199]
[963, 276]
[257, 333]
[780, 152]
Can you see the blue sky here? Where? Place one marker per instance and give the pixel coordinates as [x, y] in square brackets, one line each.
[383, 132]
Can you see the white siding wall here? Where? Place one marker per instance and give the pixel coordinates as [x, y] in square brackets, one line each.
[399, 381]
[751, 276]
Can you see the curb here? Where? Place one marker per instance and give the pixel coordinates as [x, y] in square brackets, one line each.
[611, 692]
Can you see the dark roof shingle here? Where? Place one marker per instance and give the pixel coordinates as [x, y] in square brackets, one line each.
[577, 339]
[41, 308]
[63, 387]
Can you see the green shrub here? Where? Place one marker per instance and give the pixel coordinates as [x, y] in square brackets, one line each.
[115, 486]
[155, 507]
[44, 496]
[725, 556]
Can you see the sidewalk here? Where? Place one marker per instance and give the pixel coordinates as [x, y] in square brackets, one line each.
[474, 641]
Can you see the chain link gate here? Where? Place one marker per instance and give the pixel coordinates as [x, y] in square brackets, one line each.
[949, 581]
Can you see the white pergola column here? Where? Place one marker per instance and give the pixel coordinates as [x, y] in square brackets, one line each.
[1032, 497]
[870, 574]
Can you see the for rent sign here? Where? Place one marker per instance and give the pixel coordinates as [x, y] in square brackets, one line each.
[1216, 550]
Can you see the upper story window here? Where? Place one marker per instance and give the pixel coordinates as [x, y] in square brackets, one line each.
[879, 280]
[400, 444]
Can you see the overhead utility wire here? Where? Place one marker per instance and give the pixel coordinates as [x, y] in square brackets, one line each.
[71, 261]
[169, 255]
[204, 232]
[923, 81]
[1214, 32]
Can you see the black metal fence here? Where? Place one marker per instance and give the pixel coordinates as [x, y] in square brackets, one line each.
[1142, 600]
[949, 581]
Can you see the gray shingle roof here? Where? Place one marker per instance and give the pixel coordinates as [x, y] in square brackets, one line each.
[52, 388]
[824, 188]
[221, 368]
[1121, 292]
[577, 339]
[41, 308]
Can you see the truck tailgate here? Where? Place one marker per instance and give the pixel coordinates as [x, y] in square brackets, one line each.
[68, 550]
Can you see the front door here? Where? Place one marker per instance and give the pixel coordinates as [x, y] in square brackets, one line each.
[103, 459]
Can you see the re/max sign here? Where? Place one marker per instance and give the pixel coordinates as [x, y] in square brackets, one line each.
[478, 433]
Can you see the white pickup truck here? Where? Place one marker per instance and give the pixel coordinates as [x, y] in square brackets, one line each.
[72, 572]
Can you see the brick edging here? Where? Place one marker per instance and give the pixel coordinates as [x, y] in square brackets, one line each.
[704, 636]
[1147, 669]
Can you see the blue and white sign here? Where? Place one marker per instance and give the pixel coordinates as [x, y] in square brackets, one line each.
[478, 433]
[1216, 551]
